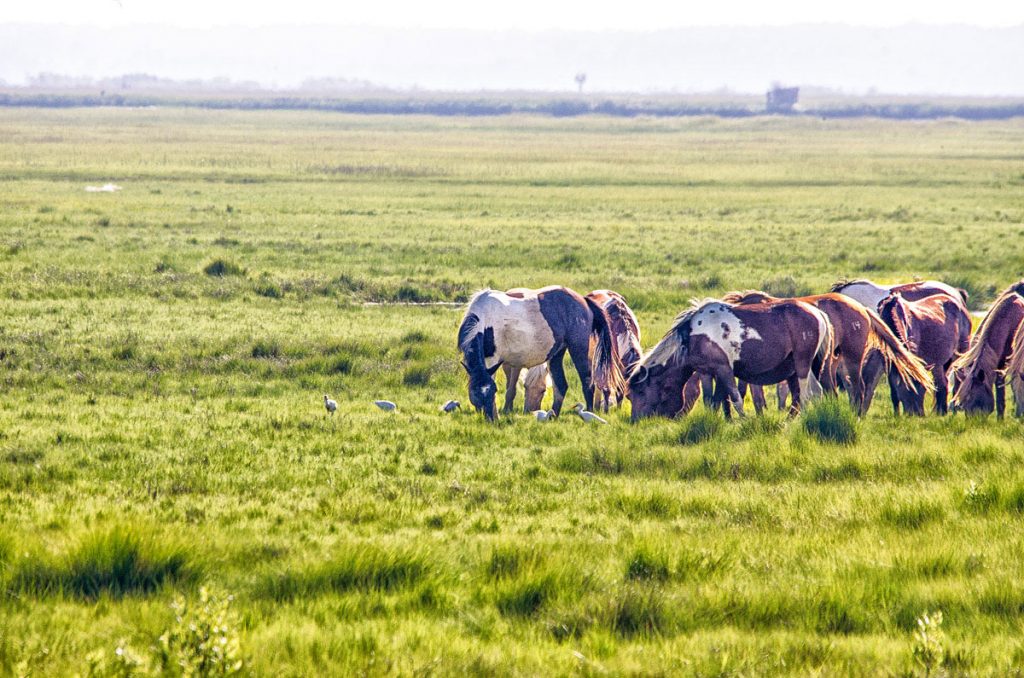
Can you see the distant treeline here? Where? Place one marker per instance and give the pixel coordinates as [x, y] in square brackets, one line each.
[438, 104]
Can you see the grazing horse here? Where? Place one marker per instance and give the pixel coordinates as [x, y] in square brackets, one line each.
[626, 330]
[936, 329]
[759, 343]
[1015, 370]
[872, 294]
[980, 368]
[528, 330]
[858, 331]
[535, 383]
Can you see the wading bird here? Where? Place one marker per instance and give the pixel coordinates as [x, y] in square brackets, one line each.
[329, 404]
[385, 405]
[588, 417]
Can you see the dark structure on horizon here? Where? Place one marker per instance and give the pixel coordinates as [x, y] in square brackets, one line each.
[781, 99]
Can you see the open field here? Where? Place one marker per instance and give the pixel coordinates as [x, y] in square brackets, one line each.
[162, 430]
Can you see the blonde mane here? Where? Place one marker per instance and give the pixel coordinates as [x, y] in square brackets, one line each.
[677, 337]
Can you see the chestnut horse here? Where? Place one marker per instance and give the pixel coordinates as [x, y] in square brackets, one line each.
[759, 343]
[981, 366]
[858, 331]
[626, 330]
[541, 326]
[936, 329]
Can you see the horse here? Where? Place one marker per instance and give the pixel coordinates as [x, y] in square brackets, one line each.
[626, 329]
[872, 294]
[759, 343]
[535, 383]
[980, 368]
[936, 329]
[858, 332]
[524, 331]
[1015, 370]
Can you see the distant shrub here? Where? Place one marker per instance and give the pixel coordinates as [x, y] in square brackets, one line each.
[784, 286]
[417, 375]
[266, 348]
[700, 427]
[269, 289]
[831, 420]
[219, 268]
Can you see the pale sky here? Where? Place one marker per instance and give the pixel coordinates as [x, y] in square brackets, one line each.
[520, 14]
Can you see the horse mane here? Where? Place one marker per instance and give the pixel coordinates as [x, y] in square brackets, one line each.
[619, 311]
[741, 297]
[470, 321]
[678, 336]
[977, 347]
[839, 284]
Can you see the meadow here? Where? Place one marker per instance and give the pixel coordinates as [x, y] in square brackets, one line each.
[174, 498]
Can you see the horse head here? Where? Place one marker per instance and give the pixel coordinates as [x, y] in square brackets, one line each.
[482, 387]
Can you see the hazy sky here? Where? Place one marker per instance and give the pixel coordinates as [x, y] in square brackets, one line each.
[520, 14]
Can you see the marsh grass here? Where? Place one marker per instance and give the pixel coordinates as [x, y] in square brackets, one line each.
[831, 420]
[189, 406]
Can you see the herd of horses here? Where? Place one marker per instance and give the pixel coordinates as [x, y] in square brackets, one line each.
[918, 334]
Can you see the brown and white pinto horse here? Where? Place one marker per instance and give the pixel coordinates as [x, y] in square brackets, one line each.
[981, 367]
[760, 343]
[872, 294]
[540, 326]
[857, 332]
[936, 329]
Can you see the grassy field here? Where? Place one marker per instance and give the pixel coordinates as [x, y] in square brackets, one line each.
[164, 350]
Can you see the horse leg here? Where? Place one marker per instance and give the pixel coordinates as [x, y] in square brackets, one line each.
[511, 381]
[730, 391]
[757, 397]
[894, 393]
[1000, 395]
[722, 400]
[580, 354]
[794, 392]
[607, 399]
[869, 378]
[941, 388]
[558, 380]
[707, 387]
[849, 374]
[782, 391]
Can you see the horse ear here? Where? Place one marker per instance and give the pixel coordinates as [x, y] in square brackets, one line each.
[492, 370]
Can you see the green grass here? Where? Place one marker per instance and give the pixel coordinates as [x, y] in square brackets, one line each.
[162, 430]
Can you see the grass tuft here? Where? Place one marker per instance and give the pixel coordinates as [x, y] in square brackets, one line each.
[830, 420]
[700, 427]
[218, 268]
[362, 567]
[121, 561]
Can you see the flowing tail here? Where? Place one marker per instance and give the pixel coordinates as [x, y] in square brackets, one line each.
[1015, 369]
[605, 366]
[907, 365]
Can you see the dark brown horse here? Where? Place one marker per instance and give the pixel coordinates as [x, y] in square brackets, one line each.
[760, 343]
[981, 367]
[626, 330]
[936, 329]
[541, 326]
[858, 332]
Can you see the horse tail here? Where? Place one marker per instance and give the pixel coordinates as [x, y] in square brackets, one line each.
[907, 365]
[963, 295]
[605, 366]
[1015, 367]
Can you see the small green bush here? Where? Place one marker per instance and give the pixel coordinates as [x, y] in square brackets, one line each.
[831, 420]
[203, 640]
[218, 268]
